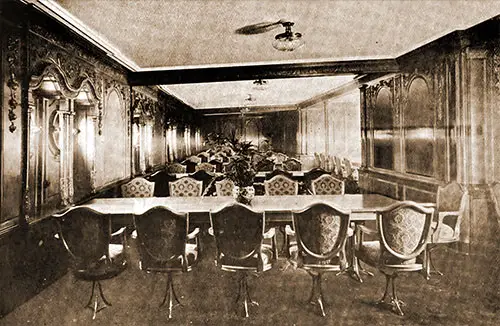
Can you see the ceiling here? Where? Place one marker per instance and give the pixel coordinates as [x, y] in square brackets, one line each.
[172, 34]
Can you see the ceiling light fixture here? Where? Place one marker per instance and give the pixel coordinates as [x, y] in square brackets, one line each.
[288, 41]
[260, 84]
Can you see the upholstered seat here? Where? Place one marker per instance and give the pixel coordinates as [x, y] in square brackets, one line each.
[403, 231]
[292, 164]
[166, 246]
[138, 187]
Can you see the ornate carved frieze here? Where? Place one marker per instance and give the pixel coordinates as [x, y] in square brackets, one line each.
[45, 43]
[496, 68]
[13, 62]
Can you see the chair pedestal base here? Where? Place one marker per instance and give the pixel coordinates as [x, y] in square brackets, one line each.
[244, 295]
[97, 301]
[429, 264]
[391, 300]
[317, 297]
[170, 296]
[355, 270]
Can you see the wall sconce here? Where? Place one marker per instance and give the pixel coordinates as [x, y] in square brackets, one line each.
[83, 97]
[49, 87]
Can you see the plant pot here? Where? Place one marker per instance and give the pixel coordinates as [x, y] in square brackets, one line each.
[243, 195]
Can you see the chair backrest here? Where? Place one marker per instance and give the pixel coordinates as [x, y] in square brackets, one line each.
[281, 185]
[238, 232]
[321, 230]
[292, 164]
[449, 197]
[280, 158]
[265, 165]
[161, 180]
[85, 234]
[495, 195]
[161, 234]
[203, 157]
[312, 174]
[206, 178]
[175, 168]
[217, 163]
[327, 185]
[339, 168]
[138, 187]
[224, 187]
[276, 172]
[185, 187]
[208, 167]
[404, 229]
[347, 167]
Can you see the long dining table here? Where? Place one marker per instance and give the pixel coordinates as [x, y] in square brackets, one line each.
[362, 206]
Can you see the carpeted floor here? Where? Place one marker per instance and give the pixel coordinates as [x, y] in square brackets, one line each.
[467, 294]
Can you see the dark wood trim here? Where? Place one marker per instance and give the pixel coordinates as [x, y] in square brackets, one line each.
[252, 110]
[269, 71]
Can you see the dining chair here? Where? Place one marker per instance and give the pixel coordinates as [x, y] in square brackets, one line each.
[239, 233]
[292, 164]
[95, 253]
[185, 187]
[165, 245]
[280, 185]
[339, 168]
[138, 187]
[224, 187]
[451, 205]
[207, 179]
[321, 232]
[175, 168]
[326, 184]
[161, 180]
[403, 231]
[190, 163]
[204, 156]
[207, 167]
[309, 176]
[276, 172]
[218, 163]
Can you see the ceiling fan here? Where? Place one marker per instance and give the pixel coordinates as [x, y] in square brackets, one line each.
[287, 41]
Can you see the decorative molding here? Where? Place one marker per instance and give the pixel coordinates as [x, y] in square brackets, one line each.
[13, 61]
[496, 68]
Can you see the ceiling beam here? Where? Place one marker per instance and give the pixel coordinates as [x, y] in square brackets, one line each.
[269, 71]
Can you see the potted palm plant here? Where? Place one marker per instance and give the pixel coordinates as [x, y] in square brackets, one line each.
[240, 170]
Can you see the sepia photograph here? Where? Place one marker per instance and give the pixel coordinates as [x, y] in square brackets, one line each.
[249, 162]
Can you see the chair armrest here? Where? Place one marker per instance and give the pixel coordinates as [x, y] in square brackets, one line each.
[119, 232]
[365, 230]
[193, 234]
[270, 233]
[289, 231]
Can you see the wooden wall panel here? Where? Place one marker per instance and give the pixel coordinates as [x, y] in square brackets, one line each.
[11, 127]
